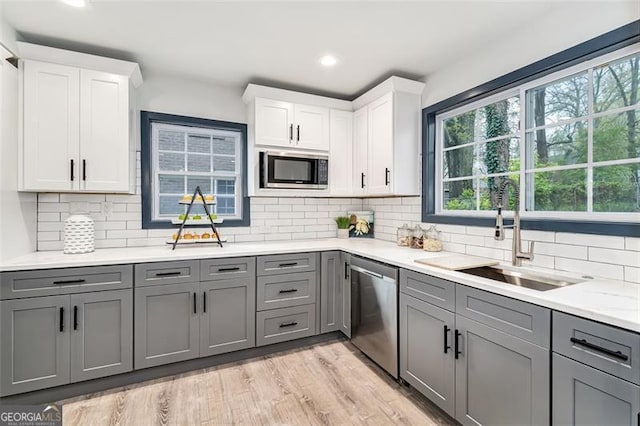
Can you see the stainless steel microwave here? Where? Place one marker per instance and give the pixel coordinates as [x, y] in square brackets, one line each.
[291, 170]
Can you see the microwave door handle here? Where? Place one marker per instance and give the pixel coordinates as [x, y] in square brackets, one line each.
[291, 133]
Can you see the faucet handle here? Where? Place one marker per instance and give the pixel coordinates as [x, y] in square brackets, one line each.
[529, 253]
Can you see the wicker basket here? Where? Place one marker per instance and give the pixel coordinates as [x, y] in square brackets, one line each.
[79, 235]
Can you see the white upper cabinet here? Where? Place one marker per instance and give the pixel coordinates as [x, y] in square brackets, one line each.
[104, 132]
[360, 150]
[51, 127]
[311, 127]
[75, 122]
[285, 124]
[274, 122]
[341, 153]
[380, 147]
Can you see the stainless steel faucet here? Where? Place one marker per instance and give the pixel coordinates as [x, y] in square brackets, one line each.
[516, 251]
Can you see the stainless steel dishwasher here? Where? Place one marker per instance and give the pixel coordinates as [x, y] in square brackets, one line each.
[374, 312]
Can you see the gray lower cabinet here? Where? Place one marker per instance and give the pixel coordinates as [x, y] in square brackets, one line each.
[332, 272]
[426, 352]
[500, 379]
[345, 282]
[166, 324]
[228, 316]
[101, 327]
[35, 344]
[280, 325]
[583, 395]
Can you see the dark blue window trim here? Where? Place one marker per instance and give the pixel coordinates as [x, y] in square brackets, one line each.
[608, 42]
[146, 119]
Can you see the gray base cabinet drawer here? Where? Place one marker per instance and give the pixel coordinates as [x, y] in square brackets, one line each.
[282, 291]
[521, 319]
[15, 285]
[280, 325]
[601, 346]
[224, 269]
[160, 273]
[430, 289]
[287, 263]
[585, 396]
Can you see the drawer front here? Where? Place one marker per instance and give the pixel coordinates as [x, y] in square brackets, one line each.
[606, 348]
[287, 263]
[46, 282]
[283, 291]
[430, 289]
[161, 273]
[280, 325]
[224, 269]
[520, 319]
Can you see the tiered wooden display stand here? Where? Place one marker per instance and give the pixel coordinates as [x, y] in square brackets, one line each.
[186, 222]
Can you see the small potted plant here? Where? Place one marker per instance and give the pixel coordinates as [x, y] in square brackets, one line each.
[343, 223]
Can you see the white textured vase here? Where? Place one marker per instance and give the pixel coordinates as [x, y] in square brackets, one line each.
[79, 235]
[343, 233]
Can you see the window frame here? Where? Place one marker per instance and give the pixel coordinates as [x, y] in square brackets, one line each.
[615, 44]
[147, 155]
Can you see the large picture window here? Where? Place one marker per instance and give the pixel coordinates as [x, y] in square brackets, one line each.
[571, 140]
[181, 153]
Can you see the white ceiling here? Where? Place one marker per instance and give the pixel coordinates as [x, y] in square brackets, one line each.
[234, 43]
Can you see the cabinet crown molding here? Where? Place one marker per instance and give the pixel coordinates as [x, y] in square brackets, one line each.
[81, 60]
[392, 84]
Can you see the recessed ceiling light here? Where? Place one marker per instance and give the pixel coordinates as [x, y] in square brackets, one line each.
[328, 60]
[75, 3]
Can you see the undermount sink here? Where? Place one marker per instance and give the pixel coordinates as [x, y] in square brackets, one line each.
[526, 279]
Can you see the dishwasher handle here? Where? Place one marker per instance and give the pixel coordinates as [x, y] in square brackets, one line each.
[372, 274]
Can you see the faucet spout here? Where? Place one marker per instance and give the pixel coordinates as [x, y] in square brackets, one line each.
[517, 255]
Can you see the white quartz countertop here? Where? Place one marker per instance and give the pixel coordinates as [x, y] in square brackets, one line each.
[612, 302]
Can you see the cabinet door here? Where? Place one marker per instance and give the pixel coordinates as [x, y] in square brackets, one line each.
[104, 131]
[500, 379]
[341, 153]
[311, 127]
[331, 276]
[35, 344]
[166, 324]
[426, 351]
[380, 151]
[360, 150]
[228, 317]
[50, 127]
[583, 395]
[274, 123]
[101, 334]
[345, 315]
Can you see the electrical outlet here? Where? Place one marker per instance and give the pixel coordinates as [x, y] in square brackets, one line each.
[107, 208]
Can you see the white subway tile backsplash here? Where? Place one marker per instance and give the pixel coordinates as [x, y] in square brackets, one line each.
[49, 236]
[614, 272]
[619, 257]
[631, 243]
[632, 274]
[591, 240]
[562, 250]
[50, 245]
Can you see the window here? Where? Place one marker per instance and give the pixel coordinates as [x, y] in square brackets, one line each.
[570, 140]
[181, 153]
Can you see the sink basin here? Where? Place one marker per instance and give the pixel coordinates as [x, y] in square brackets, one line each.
[526, 279]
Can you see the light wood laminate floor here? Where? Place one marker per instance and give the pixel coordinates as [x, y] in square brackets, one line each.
[327, 383]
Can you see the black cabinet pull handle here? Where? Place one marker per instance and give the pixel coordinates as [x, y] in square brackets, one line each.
[195, 303]
[288, 324]
[362, 180]
[61, 319]
[287, 265]
[237, 268]
[298, 133]
[446, 339]
[615, 354]
[84, 169]
[290, 132]
[346, 270]
[75, 317]
[291, 290]
[168, 274]
[204, 302]
[386, 176]
[456, 343]
[69, 282]
[72, 177]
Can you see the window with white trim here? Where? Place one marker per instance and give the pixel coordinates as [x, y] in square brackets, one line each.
[183, 157]
[571, 140]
